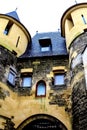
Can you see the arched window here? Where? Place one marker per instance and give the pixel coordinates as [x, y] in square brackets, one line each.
[41, 89]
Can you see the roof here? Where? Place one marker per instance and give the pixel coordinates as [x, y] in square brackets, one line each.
[57, 42]
[14, 15]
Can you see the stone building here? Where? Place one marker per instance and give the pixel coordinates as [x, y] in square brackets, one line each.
[43, 80]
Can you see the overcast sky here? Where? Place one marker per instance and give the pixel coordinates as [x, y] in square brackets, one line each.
[38, 15]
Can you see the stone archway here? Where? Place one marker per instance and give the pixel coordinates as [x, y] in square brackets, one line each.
[41, 121]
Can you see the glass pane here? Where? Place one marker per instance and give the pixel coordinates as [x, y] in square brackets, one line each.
[6, 31]
[59, 79]
[41, 89]
[45, 48]
[26, 82]
[11, 78]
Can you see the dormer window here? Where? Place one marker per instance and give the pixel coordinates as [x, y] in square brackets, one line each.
[8, 27]
[45, 44]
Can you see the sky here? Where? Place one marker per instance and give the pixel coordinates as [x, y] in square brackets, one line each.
[38, 15]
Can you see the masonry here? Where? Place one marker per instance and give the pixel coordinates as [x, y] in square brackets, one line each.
[43, 79]
[79, 94]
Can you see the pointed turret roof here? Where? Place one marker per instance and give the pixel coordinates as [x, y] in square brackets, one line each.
[14, 15]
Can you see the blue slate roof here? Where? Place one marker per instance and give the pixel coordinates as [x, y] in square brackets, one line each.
[58, 45]
[14, 15]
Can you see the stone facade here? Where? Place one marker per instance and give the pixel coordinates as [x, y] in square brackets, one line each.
[44, 85]
[57, 98]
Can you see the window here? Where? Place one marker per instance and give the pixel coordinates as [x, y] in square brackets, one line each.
[26, 77]
[59, 79]
[41, 89]
[7, 29]
[83, 18]
[45, 45]
[11, 77]
[17, 41]
[26, 81]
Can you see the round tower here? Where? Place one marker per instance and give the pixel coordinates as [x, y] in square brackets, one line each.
[74, 29]
[14, 40]
[13, 35]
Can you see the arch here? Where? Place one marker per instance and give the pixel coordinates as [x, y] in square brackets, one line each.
[42, 121]
[41, 89]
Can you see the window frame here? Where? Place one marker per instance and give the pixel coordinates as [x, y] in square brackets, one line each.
[59, 72]
[56, 82]
[37, 85]
[26, 75]
[12, 74]
[45, 44]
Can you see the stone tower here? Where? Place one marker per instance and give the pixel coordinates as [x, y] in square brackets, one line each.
[74, 29]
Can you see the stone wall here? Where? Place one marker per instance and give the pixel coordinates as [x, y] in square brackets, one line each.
[79, 95]
[7, 59]
[42, 69]
[6, 123]
[79, 106]
[57, 102]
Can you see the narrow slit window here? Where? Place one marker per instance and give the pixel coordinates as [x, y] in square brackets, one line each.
[8, 27]
[83, 18]
[17, 41]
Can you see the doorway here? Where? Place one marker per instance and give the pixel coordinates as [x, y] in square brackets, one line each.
[42, 122]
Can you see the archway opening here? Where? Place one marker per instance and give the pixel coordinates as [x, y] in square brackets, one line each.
[42, 122]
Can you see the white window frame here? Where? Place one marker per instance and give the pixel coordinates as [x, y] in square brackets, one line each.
[59, 79]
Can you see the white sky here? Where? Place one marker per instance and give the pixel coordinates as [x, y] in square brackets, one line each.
[38, 15]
